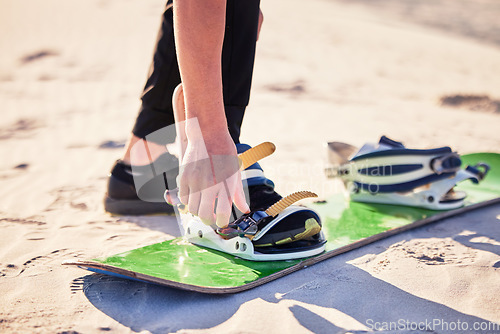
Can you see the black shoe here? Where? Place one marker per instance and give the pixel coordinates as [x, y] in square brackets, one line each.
[123, 198]
[295, 229]
[262, 197]
[298, 228]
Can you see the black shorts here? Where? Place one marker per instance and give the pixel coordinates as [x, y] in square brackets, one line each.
[238, 55]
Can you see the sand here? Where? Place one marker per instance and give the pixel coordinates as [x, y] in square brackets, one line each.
[71, 73]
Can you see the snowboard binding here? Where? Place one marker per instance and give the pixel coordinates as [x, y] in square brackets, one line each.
[390, 173]
[281, 232]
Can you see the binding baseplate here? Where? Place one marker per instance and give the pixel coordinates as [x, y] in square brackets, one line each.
[251, 236]
[281, 232]
[390, 173]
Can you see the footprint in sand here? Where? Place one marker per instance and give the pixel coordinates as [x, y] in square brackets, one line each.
[112, 144]
[8, 270]
[19, 129]
[436, 251]
[28, 221]
[78, 198]
[17, 170]
[37, 265]
[37, 55]
[471, 102]
[295, 88]
[38, 235]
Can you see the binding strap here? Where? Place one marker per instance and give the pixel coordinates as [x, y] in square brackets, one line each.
[400, 173]
[253, 175]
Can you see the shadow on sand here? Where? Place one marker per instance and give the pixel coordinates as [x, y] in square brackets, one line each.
[332, 284]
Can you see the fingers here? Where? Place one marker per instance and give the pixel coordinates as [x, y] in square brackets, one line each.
[225, 202]
[223, 210]
[202, 204]
[183, 190]
[194, 202]
[207, 203]
[208, 187]
[239, 197]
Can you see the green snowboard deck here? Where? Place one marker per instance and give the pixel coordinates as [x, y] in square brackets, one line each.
[347, 226]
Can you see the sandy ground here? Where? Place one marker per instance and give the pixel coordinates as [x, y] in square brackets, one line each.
[425, 73]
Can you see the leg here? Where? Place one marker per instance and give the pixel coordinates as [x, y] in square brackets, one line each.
[157, 111]
[238, 54]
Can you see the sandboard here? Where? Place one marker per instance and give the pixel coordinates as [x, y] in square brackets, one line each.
[347, 225]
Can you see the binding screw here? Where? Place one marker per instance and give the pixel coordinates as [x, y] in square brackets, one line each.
[430, 199]
[237, 245]
[243, 247]
[189, 230]
[200, 234]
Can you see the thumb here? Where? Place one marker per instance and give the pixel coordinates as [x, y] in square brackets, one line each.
[239, 198]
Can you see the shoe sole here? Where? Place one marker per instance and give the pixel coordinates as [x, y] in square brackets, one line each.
[136, 207]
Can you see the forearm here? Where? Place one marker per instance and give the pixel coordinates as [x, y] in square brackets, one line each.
[199, 33]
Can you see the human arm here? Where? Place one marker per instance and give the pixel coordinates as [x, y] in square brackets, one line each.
[210, 168]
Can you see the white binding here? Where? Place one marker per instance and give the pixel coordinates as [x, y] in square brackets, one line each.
[356, 165]
[198, 233]
[419, 197]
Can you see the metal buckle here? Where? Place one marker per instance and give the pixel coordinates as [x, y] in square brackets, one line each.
[245, 226]
[481, 170]
[438, 165]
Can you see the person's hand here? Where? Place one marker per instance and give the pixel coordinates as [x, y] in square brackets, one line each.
[210, 178]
